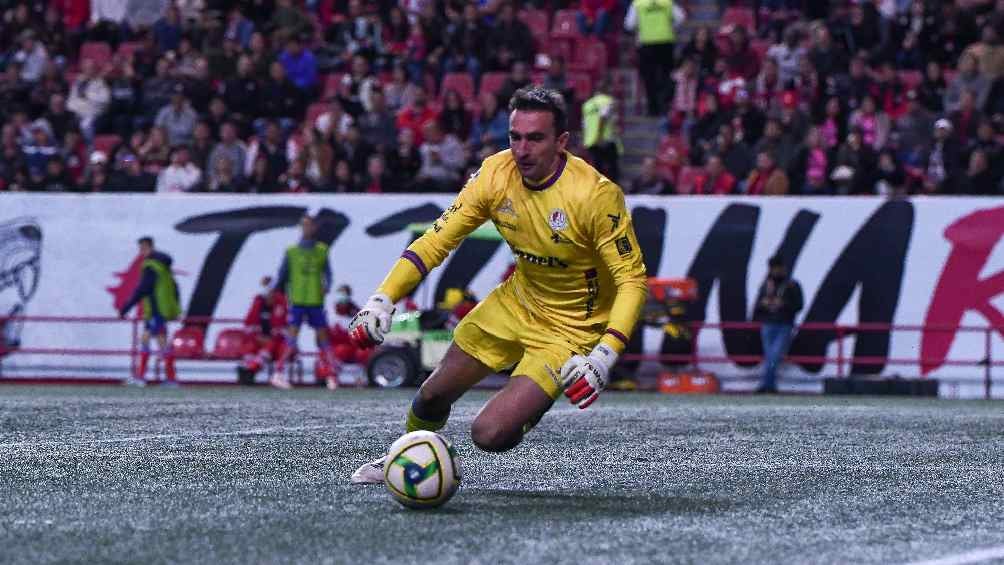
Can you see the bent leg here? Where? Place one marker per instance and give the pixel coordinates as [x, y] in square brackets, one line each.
[509, 414]
[455, 375]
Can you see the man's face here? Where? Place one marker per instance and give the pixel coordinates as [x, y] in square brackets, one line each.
[535, 142]
[778, 272]
[145, 249]
[308, 227]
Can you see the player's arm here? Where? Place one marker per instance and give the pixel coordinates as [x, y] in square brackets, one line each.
[143, 289]
[617, 246]
[470, 209]
[282, 277]
[327, 279]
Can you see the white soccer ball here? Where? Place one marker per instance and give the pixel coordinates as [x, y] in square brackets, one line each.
[421, 470]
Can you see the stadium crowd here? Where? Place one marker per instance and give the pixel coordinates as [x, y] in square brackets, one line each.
[785, 97]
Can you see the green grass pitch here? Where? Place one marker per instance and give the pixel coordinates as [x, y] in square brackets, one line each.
[233, 475]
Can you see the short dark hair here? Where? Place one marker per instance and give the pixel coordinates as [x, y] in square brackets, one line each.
[145, 240]
[544, 100]
[776, 261]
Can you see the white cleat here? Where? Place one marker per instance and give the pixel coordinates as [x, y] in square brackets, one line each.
[370, 473]
[332, 383]
[279, 381]
[133, 381]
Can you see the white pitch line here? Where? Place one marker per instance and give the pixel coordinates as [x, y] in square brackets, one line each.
[250, 432]
[976, 556]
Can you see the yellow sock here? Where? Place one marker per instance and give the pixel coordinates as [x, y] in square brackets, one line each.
[414, 423]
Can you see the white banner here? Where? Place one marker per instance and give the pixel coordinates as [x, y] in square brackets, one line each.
[932, 261]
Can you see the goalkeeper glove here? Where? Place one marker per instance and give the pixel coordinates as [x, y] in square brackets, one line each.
[369, 325]
[585, 377]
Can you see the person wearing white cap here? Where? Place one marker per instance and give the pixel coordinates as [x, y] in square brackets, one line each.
[942, 162]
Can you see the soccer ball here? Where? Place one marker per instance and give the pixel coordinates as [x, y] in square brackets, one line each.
[421, 470]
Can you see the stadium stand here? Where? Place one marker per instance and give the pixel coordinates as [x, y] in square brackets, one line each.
[78, 79]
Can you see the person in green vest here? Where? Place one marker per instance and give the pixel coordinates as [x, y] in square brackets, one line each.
[157, 291]
[655, 22]
[599, 131]
[305, 277]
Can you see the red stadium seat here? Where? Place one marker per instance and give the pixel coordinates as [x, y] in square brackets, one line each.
[760, 47]
[910, 79]
[233, 343]
[565, 25]
[332, 84]
[461, 82]
[739, 16]
[127, 48]
[688, 176]
[561, 49]
[676, 142]
[492, 82]
[590, 55]
[97, 51]
[107, 143]
[188, 343]
[536, 20]
[581, 83]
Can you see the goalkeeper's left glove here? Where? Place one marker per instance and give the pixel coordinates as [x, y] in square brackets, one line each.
[584, 377]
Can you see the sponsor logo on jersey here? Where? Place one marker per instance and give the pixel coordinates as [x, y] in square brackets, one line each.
[615, 221]
[538, 260]
[506, 208]
[557, 219]
[623, 245]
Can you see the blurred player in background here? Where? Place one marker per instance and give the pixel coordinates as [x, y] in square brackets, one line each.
[564, 315]
[158, 293]
[305, 274]
[266, 321]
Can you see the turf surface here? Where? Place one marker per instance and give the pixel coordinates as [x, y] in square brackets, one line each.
[258, 476]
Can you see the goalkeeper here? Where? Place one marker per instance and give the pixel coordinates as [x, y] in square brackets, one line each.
[567, 312]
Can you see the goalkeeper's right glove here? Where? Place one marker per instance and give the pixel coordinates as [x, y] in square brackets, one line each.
[370, 324]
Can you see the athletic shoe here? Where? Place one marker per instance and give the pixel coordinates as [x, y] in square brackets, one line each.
[332, 383]
[170, 384]
[278, 380]
[369, 474]
[132, 381]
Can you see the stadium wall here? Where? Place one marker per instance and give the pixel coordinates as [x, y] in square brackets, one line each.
[924, 261]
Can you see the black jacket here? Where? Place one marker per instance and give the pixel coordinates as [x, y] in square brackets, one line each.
[787, 295]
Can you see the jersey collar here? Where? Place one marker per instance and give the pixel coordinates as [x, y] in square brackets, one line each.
[553, 179]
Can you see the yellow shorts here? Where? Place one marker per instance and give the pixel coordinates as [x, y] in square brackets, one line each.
[500, 333]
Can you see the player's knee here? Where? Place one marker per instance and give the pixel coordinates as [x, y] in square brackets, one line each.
[493, 437]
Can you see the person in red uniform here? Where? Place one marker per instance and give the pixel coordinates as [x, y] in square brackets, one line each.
[266, 322]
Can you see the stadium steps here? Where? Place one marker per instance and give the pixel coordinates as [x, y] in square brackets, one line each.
[640, 135]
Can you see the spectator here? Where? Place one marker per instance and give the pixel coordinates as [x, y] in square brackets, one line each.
[202, 146]
[826, 57]
[96, 176]
[454, 118]
[342, 180]
[377, 179]
[703, 50]
[400, 92]
[231, 148]
[318, 156]
[914, 126]
[466, 42]
[125, 89]
[58, 117]
[872, 123]
[742, 61]
[593, 16]
[933, 89]
[859, 82]
[222, 177]
[833, 127]
[442, 160]
[50, 83]
[32, 56]
[238, 27]
[416, 116]
[262, 179]
[519, 76]
[354, 149]
[56, 178]
[155, 151]
[768, 86]
[736, 155]
[979, 179]
[378, 126]
[491, 128]
[89, 97]
[811, 166]
[656, 38]
[747, 120]
[704, 132]
[556, 79]
[788, 56]
[861, 161]
[778, 302]
[359, 86]
[242, 93]
[288, 21]
[260, 55]
[40, 151]
[295, 179]
[177, 118]
[986, 141]
[199, 85]
[511, 40]
[300, 65]
[73, 154]
[282, 100]
[966, 119]
[599, 131]
[272, 147]
[157, 90]
[865, 30]
[648, 180]
[395, 30]
[777, 143]
[167, 30]
[405, 161]
[715, 179]
[890, 177]
[181, 175]
[131, 177]
[13, 91]
[988, 53]
[683, 111]
[968, 78]
[767, 178]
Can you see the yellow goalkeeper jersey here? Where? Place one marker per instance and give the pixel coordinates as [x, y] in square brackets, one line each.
[578, 264]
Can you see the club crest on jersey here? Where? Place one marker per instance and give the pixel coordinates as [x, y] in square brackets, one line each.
[557, 219]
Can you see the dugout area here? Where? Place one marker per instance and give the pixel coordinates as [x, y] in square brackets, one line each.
[101, 474]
